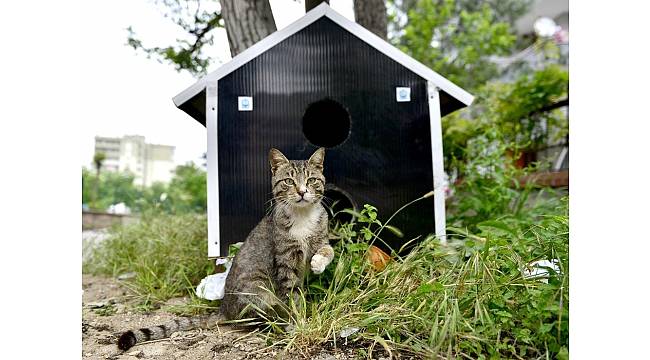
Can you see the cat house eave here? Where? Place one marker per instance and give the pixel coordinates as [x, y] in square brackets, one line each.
[192, 100]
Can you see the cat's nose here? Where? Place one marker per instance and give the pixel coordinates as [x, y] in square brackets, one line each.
[302, 191]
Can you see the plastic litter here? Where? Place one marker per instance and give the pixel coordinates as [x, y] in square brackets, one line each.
[539, 269]
[212, 286]
[348, 331]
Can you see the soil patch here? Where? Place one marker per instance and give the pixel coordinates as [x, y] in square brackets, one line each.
[107, 311]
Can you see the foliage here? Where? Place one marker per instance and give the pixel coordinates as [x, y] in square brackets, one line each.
[459, 39]
[186, 192]
[198, 19]
[113, 188]
[456, 39]
[167, 254]
[490, 188]
[517, 111]
[469, 298]
[504, 10]
[98, 160]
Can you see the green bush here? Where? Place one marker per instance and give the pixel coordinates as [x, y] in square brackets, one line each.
[185, 193]
[490, 189]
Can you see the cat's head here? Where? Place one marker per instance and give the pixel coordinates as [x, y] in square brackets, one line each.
[297, 183]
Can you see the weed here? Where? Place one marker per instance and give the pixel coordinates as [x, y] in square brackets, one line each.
[469, 298]
[166, 253]
[107, 310]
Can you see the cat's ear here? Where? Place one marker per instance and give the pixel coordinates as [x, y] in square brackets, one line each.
[276, 159]
[317, 158]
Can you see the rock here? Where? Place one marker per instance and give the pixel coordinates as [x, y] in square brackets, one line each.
[154, 349]
[136, 353]
[107, 340]
[101, 327]
[109, 351]
[97, 305]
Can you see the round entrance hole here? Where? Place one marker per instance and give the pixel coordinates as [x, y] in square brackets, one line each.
[326, 123]
[336, 200]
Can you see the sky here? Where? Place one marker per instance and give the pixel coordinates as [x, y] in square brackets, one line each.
[124, 93]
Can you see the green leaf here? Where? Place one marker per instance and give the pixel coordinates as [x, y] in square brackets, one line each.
[395, 230]
[357, 247]
[544, 328]
[352, 212]
[496, 225]
[430, 287]
[563, 354]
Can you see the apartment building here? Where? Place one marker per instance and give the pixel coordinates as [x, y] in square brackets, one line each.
[148, 162]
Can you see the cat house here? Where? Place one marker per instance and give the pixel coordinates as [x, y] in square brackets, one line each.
[324, 81]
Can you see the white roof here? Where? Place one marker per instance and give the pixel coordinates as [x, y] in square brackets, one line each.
[323, 10]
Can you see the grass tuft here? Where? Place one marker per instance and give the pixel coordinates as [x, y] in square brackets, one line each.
[165, 253]
[466, 299]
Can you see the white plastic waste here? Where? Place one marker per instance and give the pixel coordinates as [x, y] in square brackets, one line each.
[211, 287]
[348, 331]
[538, 269]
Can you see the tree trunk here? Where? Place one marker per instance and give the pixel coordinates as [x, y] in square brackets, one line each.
[371, 14]
[310, 4]
[246, 22]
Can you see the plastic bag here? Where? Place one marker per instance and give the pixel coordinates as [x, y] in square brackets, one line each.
[212, 286]
[540, 269]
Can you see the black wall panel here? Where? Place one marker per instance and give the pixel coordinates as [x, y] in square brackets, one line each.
[386, 160]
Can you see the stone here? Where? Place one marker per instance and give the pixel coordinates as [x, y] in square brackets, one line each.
[154, 349]
[136, 353]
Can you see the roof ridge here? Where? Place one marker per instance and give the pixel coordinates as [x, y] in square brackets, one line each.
[324, 10]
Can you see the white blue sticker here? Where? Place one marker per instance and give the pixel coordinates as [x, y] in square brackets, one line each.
[245, 103]
[403, 94]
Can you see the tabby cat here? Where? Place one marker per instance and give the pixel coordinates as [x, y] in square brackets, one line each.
[276, 254]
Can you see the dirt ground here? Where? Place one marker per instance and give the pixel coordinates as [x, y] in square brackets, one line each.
[107, 312]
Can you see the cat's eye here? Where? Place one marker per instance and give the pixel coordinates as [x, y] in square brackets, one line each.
[289, 181]
[311, 181]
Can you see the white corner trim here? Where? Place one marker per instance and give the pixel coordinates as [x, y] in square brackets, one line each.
[354, 28]
[213, 166]
[437, 162]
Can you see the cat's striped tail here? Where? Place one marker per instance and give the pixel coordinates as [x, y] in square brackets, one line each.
[132, 337]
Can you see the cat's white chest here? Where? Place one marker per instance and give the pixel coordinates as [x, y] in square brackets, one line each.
[304, 224]
[303, 227]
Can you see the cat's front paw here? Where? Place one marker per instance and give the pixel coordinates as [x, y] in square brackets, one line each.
[318, 263]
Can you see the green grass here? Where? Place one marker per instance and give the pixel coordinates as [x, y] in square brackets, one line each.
[167, 254]
[466, 299]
